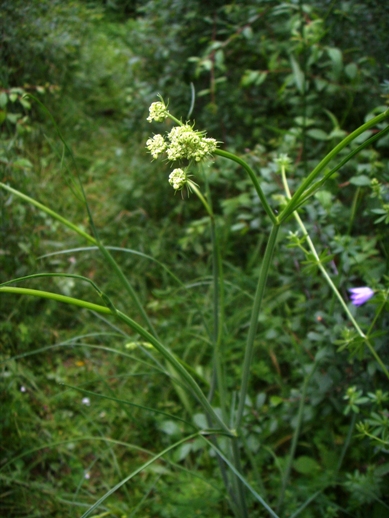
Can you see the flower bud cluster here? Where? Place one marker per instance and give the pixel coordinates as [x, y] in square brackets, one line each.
[177, 179]
[283, 160]
[156, 145]
[157, 112]
[181, 143]
[185, 142]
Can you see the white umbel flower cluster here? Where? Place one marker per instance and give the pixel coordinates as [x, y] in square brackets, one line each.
[157, 112]
[177, 179]
[156, 145]
[185, 142]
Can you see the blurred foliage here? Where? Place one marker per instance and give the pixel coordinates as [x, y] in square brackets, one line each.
[269, 78]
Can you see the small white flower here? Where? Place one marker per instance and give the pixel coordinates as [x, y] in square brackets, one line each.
[157, 112]
[85, 401]
[177, 179]
[156, 145]
[23, 388]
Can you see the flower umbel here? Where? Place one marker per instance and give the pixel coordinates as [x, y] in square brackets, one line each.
[185, 142]
[157, 112]
[361, 295]
[156, 145]
[177, 179]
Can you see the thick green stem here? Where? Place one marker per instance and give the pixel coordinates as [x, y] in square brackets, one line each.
[265, 266]
[239, 487]
[295, 199]
[253, 178]
[316, 186]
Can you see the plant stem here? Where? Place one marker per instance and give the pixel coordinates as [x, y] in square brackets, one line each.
[296, 434]
[217, 300]
[265, 266]
[176, 364]
[330, 282]
[347, 442]
[239, 487]
[55, 296]
[93, 241]
[253, 178]
[218, 320]
[294, 201]
[316, 186]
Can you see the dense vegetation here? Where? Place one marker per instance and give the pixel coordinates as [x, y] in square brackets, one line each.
[85, 400]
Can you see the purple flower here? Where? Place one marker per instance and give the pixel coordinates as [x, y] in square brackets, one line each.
[360, 295]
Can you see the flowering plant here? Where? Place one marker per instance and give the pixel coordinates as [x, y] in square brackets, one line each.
[225, 405]
[183, 142]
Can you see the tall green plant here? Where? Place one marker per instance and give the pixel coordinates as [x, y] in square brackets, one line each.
[224, 411]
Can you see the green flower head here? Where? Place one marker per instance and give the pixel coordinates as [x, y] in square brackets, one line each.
[178, 179]
[157, 112]
[156, 145]
[185, 142]
[283, 160]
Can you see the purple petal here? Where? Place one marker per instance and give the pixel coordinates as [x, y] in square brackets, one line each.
[360, 295]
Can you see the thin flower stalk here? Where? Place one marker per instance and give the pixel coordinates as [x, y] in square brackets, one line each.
[217, 302]
[254, 179]
[296, 434]
[237, 492]
[329, 280]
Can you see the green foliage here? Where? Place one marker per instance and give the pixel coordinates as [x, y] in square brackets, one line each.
[270, 79]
